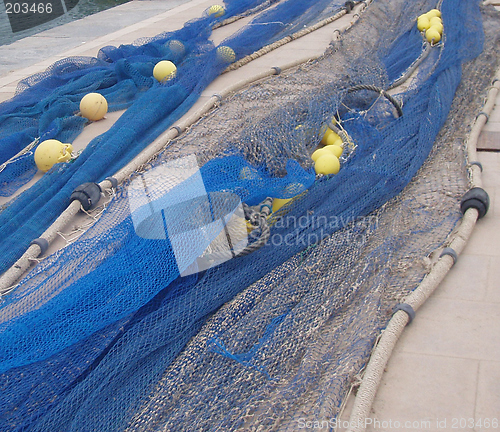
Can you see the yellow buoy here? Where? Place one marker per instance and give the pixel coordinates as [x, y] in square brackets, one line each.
[93, 106]
[423, 23]
[324, 133]
[438, 27]
[225, 54]
[335, 149]
[216, 10]
[333, 139]
[434, 13]
[280, 202]
[327, 164]
[432, 35]
[50, 152]
[435, 20]
[317, 153]
[164, 70]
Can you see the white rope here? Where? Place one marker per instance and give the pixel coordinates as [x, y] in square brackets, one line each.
[11, 276]
[26, 151]
[382, 352]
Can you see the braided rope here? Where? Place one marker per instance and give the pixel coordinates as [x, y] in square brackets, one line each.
[25, 150]
[382, 92]
[258, 219]
[249, 12]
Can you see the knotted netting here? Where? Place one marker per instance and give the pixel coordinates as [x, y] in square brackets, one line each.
[105, 334]
[46, 104]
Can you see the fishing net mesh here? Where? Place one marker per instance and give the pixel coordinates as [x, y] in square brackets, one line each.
[46, 106]
[106, 335]
[315, 318]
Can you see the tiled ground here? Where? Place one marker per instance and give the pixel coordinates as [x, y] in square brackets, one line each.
[445, 370]
[447, 363]
[55, 41]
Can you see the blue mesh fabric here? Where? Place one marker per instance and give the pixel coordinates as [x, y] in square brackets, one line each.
[123, 75]
[107, 316]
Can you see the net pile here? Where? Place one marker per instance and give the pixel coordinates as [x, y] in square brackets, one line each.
[105, 334]
[46, 104]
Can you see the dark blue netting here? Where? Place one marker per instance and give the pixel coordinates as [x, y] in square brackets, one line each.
[92, 338]
[121, 80]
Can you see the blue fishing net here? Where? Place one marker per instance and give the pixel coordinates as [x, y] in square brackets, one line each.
[106, 335]
[124, 76]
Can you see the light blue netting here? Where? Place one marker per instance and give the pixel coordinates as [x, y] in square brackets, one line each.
[93, 337]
